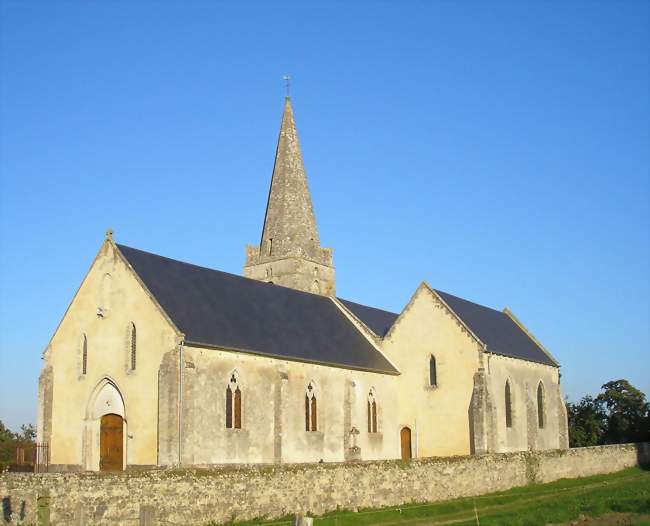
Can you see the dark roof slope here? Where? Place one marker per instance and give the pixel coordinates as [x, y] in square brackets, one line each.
[497, 330]
[218, 309]
[377, 320]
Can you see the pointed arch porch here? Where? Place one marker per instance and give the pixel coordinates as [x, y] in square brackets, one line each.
[105, 411]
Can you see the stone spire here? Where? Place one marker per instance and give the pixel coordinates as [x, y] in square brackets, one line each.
[289, 253]
[289, 223]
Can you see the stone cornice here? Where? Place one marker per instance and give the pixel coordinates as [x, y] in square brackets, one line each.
[274, 259]
[201, 345]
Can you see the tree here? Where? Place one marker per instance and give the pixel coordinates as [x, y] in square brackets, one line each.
[627, 413]
[9, 441]
[587, 422]
[7, 446]
[6, 435]
[27, 433]
[620, 413]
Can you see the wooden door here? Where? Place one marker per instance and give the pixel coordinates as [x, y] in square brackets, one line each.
[405, 438]
[111, 443]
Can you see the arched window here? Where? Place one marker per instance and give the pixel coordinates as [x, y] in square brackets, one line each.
[315, 287]
[228, 407]
[311, 408]
[233, 403]
[84, 354]
[132, 346]
[540, 405]
[508, 405]
[372, 411]
[433, 374]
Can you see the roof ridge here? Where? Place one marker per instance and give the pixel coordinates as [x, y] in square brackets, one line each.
[367, 306]
[469, 301]
[238, 276]
[492, 327]
[527, 332]
[367, 331]
[180, 261]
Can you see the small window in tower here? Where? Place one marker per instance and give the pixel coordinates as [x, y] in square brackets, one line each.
[270, 246]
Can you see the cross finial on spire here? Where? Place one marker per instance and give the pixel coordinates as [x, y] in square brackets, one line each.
[287, 84]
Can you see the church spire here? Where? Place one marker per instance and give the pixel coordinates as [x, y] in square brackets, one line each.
[289, 223]
[289, 253]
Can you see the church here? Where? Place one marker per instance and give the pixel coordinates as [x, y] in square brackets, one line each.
[158, 362]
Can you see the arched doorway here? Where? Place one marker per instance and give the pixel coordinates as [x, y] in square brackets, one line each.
[405, 439]
[111, 441]
[105, 428]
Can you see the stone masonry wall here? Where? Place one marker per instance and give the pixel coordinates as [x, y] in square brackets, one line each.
[198, 497]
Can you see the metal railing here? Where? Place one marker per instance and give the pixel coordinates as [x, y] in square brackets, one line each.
[33, 457]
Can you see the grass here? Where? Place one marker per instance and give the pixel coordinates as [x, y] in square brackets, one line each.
[624, 494]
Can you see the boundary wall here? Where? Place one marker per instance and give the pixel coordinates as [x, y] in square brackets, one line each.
[221, 494]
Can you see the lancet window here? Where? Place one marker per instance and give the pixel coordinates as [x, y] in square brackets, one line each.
[540, 405]
[508, 401]
[233, 403]
[372, 411]
[311, 408]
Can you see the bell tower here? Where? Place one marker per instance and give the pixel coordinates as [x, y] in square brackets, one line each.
[289, 253]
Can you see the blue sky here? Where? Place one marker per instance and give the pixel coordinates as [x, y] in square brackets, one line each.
[497, 150]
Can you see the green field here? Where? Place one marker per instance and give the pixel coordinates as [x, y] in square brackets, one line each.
[619, 498]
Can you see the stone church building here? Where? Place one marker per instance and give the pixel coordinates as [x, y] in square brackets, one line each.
[158, 362]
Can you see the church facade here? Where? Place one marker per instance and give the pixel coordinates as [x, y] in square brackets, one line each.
[158, 362]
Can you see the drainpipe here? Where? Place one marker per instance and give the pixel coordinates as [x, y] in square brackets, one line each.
[181, 366]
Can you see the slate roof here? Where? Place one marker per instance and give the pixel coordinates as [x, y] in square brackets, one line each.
[377, 320]
[496, 330]
[217, 309]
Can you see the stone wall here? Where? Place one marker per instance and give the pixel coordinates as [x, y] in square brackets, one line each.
[68, 416]
[525, 433]
[197, 497]
[273, 411]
